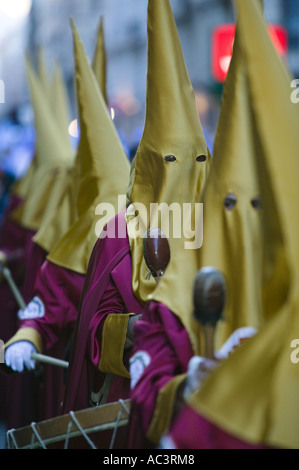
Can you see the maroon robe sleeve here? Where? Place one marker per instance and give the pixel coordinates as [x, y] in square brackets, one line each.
[111, 303]
[13, 241]
[9, 233]
[52, 311]
[103, 342]
[106, 303]
[190, 430]
[35, 255]
[160, 355]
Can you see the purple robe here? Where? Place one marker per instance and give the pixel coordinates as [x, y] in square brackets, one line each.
[13, 202]
[35, 255]
[107, 290]
[13, 240]
[161, 335]
[192, 431]
[59, 290]
[21, 390]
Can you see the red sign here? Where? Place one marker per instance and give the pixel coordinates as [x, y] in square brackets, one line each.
[222, 47]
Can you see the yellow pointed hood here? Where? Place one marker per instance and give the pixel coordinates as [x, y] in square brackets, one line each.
[259, 383]
[99, 61]
[53, 161]
[21, 186]
[60, 104]
[85, 196]
[45, 125]
[67, 213]
[166, 168]
[233, 236]
[104, 169]
[43, 73]
[64, 215]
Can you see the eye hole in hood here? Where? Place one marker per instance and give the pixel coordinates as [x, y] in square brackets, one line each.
[256, 202]
[230, 201]
[170, 158]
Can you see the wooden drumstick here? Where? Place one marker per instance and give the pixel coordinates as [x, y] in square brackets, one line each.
[22, 304]
[17, 294]
[49, 360]
[156, 252]
[209, 295]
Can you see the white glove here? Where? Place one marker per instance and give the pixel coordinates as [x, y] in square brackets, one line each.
[198, 370]
[18, 356]
[200, 367]
[234, 341]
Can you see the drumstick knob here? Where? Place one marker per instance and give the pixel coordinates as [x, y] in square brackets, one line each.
[156, 252]
[209, 295]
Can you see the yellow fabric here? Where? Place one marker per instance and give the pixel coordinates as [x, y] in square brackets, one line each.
[233, 240]
[21, 186]
[164, 410]
[60, 105]
[172, 127]
[99, 61]
[64, 213]
[43, 74]
[74, 249]
[27, 334]
[53, 162]
[46, 190]
[104, 172]
[254, 394]
[67, 213]
[113, 342]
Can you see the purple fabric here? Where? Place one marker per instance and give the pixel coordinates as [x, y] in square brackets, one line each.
[107, 289]
[13, 244]
[13, 237]
[17, 394]
[22, 390]
[111, 302]
[161, 334]
[34, 256]
[59, 289]
[8, 226]
[192, 431]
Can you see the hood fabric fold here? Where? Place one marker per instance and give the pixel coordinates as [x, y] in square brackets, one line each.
[104, 168]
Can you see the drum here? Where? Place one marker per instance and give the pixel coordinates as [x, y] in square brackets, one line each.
[102, 427]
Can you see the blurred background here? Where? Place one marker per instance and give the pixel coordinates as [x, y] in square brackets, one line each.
[206, 33]
[206, 29]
